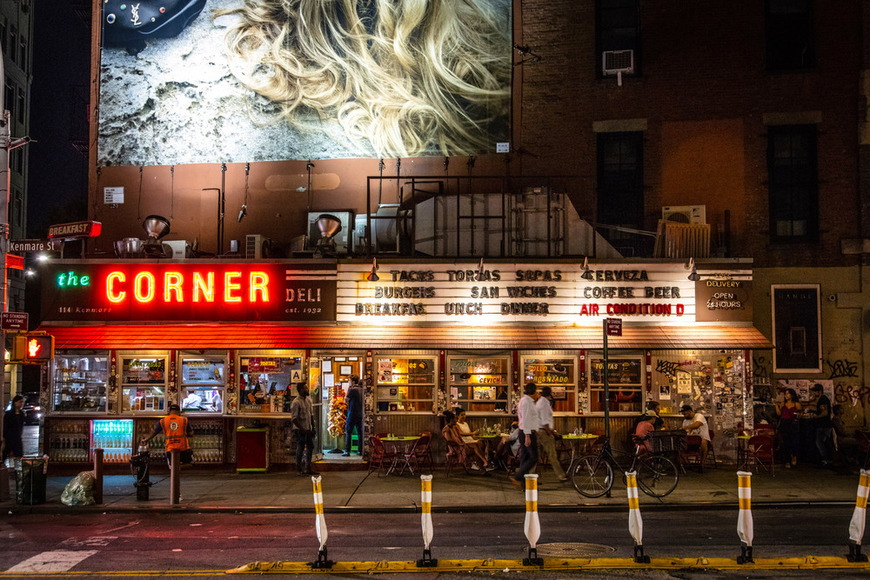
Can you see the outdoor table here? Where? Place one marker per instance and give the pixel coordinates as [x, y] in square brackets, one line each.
[579, 442]
[400, 446]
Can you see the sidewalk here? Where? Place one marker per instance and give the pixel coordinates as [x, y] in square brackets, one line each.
[361, 491]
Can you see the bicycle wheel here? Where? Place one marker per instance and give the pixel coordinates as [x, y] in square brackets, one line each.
[591, 476]
[657, 476]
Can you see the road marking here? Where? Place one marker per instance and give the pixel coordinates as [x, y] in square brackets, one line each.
[54, 561]
[88, 542]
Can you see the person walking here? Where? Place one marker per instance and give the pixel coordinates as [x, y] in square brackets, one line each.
[527, 416]
[177, 432]
[13, 429]
[302, 419]
[354, 402]
[546, 433]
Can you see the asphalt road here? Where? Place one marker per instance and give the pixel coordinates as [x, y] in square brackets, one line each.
[204, 545]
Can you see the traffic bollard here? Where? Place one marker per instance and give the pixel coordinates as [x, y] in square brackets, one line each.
[635, 522]
[744, 516]
[426, 518]
[856, 526]
[532, 525]
[98, 476]
[174, 474]
[320, 526]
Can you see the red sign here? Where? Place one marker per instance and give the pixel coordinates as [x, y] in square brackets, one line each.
[14, 262]
[202, 291]
[14, 320]
[75, 230]
[613, 326]
[263, 365]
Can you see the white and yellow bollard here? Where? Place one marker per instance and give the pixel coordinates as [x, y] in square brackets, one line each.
[744, 516]
[532, 525]
[320, 526]
[635, 521]
[426, 520]
[856, 526]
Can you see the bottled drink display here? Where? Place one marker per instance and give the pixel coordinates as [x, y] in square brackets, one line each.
[69, 442]
[114, 437]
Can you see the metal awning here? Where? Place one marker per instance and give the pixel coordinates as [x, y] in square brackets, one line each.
[273, 336]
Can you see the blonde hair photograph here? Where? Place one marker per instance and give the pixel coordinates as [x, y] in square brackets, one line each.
[401, 77]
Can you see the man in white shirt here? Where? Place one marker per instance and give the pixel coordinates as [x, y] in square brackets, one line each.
[696, 424]
[546, 434]
[527, 416]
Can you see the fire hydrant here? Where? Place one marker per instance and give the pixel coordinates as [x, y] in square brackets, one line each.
[140, 465]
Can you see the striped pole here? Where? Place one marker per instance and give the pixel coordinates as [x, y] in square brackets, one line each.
[744, 516]
[856, 526]
[532, 525]
[635, 521]
[320, 526]
[426, 520]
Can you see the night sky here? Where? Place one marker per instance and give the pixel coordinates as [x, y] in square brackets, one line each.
[58, 115]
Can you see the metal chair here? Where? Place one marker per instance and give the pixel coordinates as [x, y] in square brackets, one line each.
[456, 455]
[380, 455]
[760, 451]
[422, 452]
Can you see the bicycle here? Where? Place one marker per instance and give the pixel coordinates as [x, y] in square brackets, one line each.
[592, 474]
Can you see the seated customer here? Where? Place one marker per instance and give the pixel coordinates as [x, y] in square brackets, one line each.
[508, 446]
[644, 427]
[653, 407]
[467, 436]
[696, 424]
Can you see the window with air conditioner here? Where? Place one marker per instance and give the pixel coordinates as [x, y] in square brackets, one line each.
[617, 37]
[793, 183]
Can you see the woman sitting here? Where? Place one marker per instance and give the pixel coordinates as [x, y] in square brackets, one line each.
[469, 441]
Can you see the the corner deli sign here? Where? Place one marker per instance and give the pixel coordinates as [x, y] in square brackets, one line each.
[540, 292]
[222, 291]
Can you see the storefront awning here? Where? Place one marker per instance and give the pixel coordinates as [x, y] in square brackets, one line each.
[266, 336]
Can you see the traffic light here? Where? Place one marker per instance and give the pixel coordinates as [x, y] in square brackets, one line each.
[32, 348]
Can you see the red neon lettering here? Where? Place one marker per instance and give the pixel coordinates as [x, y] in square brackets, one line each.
[148, 295]
[204, 287]
[110, 287]
[259, 281]
[230, 284]
[172, 284]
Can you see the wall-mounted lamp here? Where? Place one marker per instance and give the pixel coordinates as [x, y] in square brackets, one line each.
[373, 275]
[693, 275]
[243, 212]
[587, 273]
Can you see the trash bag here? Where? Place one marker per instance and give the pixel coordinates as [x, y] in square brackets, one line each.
[79, 491]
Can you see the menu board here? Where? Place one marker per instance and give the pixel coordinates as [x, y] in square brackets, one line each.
[619, 372]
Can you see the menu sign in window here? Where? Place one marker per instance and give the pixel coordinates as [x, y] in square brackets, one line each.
[619, 372]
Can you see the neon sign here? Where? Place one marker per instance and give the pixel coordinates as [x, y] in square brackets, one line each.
[171, 287]
[72, 278]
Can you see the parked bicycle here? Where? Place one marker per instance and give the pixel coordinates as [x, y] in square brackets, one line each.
[592, 474]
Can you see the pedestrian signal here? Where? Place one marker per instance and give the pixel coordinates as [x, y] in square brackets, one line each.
[32, 348]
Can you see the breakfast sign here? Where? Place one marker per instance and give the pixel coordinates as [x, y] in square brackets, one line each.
[202, 291]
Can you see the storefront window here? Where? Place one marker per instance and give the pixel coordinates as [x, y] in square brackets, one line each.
[405, 385]
[559, 373]
[80, 382]
[202, 383]
[266, 383]
[625, 381]
[479, 384]
[143, 383]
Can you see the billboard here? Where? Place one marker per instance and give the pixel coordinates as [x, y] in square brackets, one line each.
[208, 81]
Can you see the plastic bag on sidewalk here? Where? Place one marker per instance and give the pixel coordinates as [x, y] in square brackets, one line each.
[79, 491]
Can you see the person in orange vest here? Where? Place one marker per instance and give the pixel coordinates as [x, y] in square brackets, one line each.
[177, 433]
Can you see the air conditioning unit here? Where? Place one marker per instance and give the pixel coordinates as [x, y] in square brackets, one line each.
[179, 248]
[686, 214]
[257, 246]
[617, 62]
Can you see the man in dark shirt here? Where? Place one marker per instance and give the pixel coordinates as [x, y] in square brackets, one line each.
[824, 425]
[354, 415]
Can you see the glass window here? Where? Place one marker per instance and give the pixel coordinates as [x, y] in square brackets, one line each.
[559, 373]
[625, 381]
[796, 328]
[479, 384]
[12, 49]
[202, 383]
[793, 183]
[617, 27]
[620, 196]
[266, 383]
[790, 41]
[143, 383]
[405, 384]
[80, 382]
[21, 105]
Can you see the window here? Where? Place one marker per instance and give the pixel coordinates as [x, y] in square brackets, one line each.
[479, 384]
[23, 48]
[617, 27]
[624, 380]
[789, 35]
[17, 209]
[620, 189]
[12, 47]
[557, 372]
[21, 106]
[797, 335]
[793, 183]
[9, 97]
[405, 384]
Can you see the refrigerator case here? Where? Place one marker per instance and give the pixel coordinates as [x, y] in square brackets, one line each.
[114, 437]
